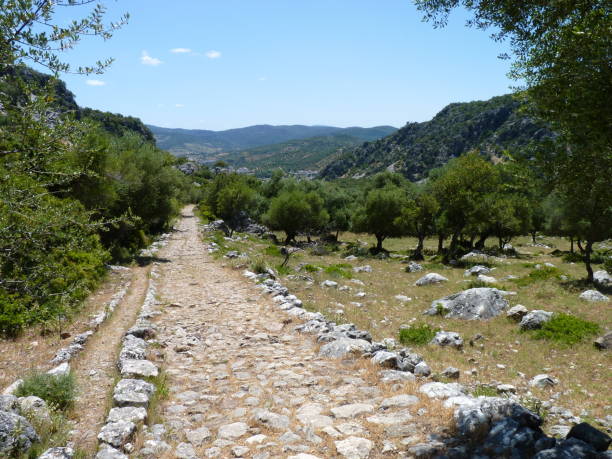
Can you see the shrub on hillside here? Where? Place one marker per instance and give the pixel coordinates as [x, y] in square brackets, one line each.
[566, 329]
[538, 275]
[59, 391]
[417, 334]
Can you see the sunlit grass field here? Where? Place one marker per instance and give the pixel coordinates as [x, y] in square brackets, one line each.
[503, 355]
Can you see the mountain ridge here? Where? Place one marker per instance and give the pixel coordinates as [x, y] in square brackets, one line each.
[202, 145]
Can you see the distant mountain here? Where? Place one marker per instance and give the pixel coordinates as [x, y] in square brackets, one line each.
[305, 154]
[210, 145]
[491, 127]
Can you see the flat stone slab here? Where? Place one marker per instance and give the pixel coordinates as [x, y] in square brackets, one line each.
[118, 433]
[132, 368]
[233, 431]
[128, 413]
[133, 392]
[352, 410]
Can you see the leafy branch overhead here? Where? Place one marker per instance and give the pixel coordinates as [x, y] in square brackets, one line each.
[29, 33]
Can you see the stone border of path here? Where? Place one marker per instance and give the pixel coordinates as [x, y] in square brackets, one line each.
[132, 394]
[495, 422]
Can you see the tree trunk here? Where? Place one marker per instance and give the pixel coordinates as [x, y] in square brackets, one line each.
[418, 252]
[379, 242]
[453, 245]
[440, 244]
[480, 243]
[587, 260]
[571, 244]
[501, 242]
[533, 236]
[579, 242]
[472, 239]
[289, 238]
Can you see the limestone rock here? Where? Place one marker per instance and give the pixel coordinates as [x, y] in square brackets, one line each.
[442, 390]
[542, 381]
[535, 319]
[233, 431]
[198, 436]
[431, 278]
[517, 312]
[472, 304]
[271, 420]
[602, 278]
[486, 279]
[593, 296]
[396, 401]
[344, 347]
[451, 373]
[476, 270]
[444, 338]
[57, 453]
[128, 413]
[133, 392]
[132, 368]
[35, 407]
[604, 342]
[117, 433]
[185, 451]
[16, 433]
[108, 452]
[354, 448]
[414, 267]
[352, 410]
[9, 403]
[385, 359]
[10, 390]
[362, 269]
[60, 370]
[422, 369]
[329, 284]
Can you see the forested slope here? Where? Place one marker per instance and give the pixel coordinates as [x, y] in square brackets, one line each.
[490, 127]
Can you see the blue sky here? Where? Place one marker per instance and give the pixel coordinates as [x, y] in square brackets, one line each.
[220, 64]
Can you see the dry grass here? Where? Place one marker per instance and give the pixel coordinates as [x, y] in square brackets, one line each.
[36, 346]
[584, 373]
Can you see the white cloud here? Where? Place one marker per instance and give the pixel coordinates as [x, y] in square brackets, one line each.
[148, 60]
[179, 105]
[180, 50]
[95, 83]
[263, 78]
[213, 54]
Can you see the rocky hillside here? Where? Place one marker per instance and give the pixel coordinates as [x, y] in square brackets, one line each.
[490, 127]
[313, 153]
[205, 145]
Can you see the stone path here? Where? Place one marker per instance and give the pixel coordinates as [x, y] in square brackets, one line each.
[243, 383]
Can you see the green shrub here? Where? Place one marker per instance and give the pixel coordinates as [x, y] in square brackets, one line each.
[259, 266]
[339, 271]
[311, 268]
[273, 251]
[417, 334]
[566, 329]
[538, 275]
[283, 270]
[483, 390]
[572, 257]
[59, 391]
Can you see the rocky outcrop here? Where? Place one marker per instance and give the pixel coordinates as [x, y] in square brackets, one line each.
[430, 279]
[473, 304]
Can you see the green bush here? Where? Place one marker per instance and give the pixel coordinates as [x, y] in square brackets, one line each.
[311, 268]
[483, 390]
[273, 251]
[417, 334]
[259, 266]
[538, 275]
[566, 329]
[283, 270]
[59, 391]
[339, 271]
